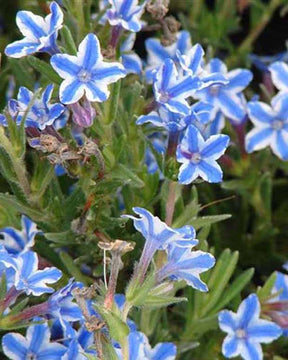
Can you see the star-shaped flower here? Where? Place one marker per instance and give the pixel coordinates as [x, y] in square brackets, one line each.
[31, 280]
[184, 264]
[126, 13]
[16, 241]
[157, 53]
[198, 156]
[38, 111]
[246, 331]
[171, 90]
[39, 34]
[36, 345]
[86, 74]
[226, 97]
[270, 126]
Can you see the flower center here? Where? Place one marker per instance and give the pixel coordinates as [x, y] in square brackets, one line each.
[195, 158]
[277, 124]
[240, 333]
[214, 90]
[164, 97]
[31, 356]
[84, 76]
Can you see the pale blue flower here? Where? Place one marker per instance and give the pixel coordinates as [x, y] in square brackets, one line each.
[38, 111]
[158, 235]
[187, 265]
[31, 280]
[157, 53]
[36, 345]
[16, 241]
[270, 126]
[61, 305]
[198, 156]
[86, 74]
[126, 14]
[226, 97]
[246, 331]
[40, 34]
[140, 349]
[171, 90]
[130, 60]
[279, 74]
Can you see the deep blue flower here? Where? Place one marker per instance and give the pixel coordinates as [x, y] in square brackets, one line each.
[263, 62]
[36, 345]
[131, 61]
[270, 126]
[31, 280]
[246, 331]
[87, 73]
[171, 90]
[187, 265]
[279, 74]
[126, 13]
[157, 53]
[39, 34]
[16, 241]
[198, 156]
[38, 111]
[226, 97]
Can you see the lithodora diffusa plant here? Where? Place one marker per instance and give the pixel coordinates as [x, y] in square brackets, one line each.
[110, 169]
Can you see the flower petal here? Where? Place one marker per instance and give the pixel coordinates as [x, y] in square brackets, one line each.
[258, 139]
[215, 146]
[22, 48]
[187, 173]
[37, 337]
[251, 351]
[260, 113]
[227, 321]
[231, 346]
[263, 331]
[71, 91]
[15, 346]
[238, 80]
[31, 26]
[210, 171]
[89, 52]
[248, 311]
[65, 65]
[279, 74]
[279, 144]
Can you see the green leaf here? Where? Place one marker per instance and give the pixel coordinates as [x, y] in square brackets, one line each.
[3, 286]
[265, 291]
[118, 329]
[136, 292]
[44, 69]
[189, 213]
[234, 289]
[19, 307]
[62, 238]
[22, 74]
[70, 45]
[71, 267]
[199, 222]
[128, 176]
[158, 301]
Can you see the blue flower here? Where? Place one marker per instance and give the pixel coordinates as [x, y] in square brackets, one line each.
[16, 241]
[8, 266]
[39, 34]
[226, 97]
[158, 235]
[131, 61]
[126, 13]
[171, 90]
[31, 280]
[270, 126]
[40, 113]
[263, 62]
[140, 349]
[36, 345]
[87, 73]
[157, 53]
[246, 331]
[198, 156]
[279, 74]
[61, 305]
[187, 265]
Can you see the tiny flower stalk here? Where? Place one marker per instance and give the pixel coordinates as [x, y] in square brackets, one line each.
[117, 248]
[10, 297]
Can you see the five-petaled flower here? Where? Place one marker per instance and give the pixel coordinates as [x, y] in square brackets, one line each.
[270, 126]
[87, 73]
[246, 331]
[126, 14]
[37, 111]
[171, 90]
[36, 344]
[198, 156]
[226, 97]
[39, 34]
[16, 241]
